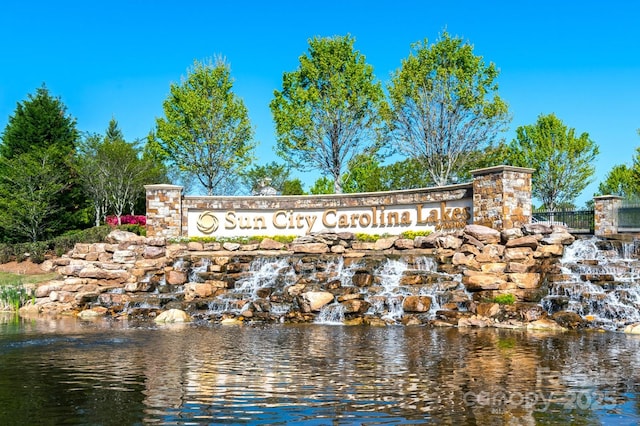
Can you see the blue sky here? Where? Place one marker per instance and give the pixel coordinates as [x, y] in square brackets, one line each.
[577, 59]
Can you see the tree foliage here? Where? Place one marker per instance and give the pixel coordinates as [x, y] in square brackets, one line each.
[444, 106]
[206, 132]
[30, 188]
[563, 162]
[623, 180]
[114, 172]
[272, 174]
[41, 135]
[328, 109]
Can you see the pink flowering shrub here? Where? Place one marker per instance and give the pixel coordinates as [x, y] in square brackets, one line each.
[127, 219]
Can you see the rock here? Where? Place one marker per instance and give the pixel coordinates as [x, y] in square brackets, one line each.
[117, 236]
[553, 250]
[403, 244]
[468, 261]
[357, 306]
[474, 321]
[173, 316]
[494, 267]
[428, 241]
[231, 246]
[44, 290]
[487, 309]
[416, 304]
[363, 245]
[362, 279]
[385, 243]
[338, 249]
[102, 274]
[568, 319]
[527, 241]
[311, 248]
[95, 312]
[174, 277]
[197, 290]
[484, 234]
[526, 280]
[124, 256]
[510, 234]
[317, 299]
[269, 244]
[537, 229]
[195, 246]
[448, 242]
[560, 238]
[632, 328]
[517, 253]
[477, 281]
[545, 324]
[491, 253]
[153, 252]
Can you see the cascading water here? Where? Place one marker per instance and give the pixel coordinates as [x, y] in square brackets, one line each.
[388, 303]
[264, 274]
[600, 281]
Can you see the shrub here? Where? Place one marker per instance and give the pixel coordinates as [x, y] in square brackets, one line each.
[126, 219]
[505, 299]
[413, 234]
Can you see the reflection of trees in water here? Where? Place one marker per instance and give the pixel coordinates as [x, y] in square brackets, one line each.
[133, 375]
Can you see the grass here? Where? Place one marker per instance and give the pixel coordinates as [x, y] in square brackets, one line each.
[8, 278]
[13, 290]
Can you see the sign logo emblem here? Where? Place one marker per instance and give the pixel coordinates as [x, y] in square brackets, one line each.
[207, 222]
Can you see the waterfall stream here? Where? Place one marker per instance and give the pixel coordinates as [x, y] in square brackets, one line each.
[599, 280]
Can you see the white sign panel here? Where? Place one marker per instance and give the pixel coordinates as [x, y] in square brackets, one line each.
[393, 220]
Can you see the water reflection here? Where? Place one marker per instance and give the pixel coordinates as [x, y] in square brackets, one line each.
[66, 371]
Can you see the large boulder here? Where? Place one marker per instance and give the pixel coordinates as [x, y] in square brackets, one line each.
[483, 234]
[173, 316]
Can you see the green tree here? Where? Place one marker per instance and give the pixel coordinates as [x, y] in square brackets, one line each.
[563, 162]
[255, 177]
[30, 188]
[364, 174]
[322, 185]
[206, 133]
[41, 127]
[444, 106]
[293, 187]
[328, 109]
[619, 181]
[405, 174]
[115, 171]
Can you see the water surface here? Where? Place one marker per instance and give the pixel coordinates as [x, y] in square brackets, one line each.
[73, 372]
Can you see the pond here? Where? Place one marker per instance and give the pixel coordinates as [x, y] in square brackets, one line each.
[66, 371]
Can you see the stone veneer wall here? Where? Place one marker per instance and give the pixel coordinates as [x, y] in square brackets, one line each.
[502, 197]
[605, 214]
[164, 210]
[501, 200]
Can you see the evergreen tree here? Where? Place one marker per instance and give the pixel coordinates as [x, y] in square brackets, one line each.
[41, 127]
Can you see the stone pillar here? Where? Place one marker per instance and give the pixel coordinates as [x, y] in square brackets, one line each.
[502, 196]
[605, 214]
[164, 210]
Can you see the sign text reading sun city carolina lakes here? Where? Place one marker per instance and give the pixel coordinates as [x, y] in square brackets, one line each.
[381, 219]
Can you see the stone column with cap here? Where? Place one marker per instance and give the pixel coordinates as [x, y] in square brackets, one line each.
[502, 196]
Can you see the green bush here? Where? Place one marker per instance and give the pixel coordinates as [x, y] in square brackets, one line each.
[413, 234]
[6, 253]
[505, 299]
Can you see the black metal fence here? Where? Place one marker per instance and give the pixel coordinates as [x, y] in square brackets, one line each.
[578, 221]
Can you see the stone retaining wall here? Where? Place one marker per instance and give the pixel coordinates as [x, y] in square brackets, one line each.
[474, 266]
